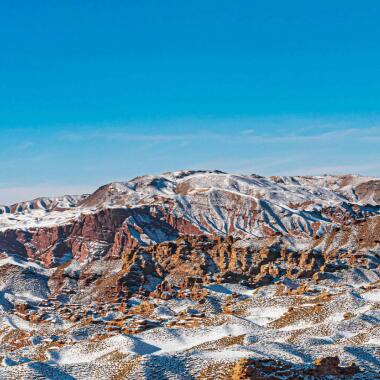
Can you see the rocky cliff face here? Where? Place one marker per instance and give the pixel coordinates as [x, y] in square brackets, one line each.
[200, 259]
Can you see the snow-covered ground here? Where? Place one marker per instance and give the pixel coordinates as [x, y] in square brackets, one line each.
[297, 329]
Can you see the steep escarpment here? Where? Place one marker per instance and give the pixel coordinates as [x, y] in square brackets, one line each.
[91, 235]
[271, 260]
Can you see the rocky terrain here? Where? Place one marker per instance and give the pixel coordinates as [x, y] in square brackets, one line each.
[194, 275]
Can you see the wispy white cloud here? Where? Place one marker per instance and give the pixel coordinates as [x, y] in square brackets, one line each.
[24, 145]
[121, 136]
[236, 132]
[276, 146]
[369, 134]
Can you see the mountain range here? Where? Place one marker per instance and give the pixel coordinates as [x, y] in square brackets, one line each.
[180, 272]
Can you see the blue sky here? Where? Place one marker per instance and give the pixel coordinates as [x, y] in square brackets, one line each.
[94, 91]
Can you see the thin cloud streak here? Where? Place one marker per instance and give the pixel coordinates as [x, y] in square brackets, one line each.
[247, 136]
[119, 136]
[291, 147]
[24, 145]
[363, 134]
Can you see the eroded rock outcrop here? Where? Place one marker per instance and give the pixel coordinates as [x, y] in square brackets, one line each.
[260, 369]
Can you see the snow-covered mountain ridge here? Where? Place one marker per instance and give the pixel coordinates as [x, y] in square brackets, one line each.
[214, 202]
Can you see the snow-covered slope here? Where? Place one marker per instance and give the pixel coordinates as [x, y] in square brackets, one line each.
[214, 202]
